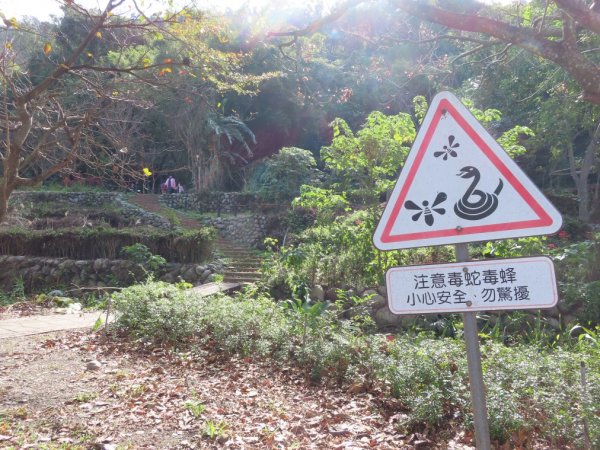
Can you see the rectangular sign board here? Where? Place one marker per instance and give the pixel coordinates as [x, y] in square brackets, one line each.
[498, 284]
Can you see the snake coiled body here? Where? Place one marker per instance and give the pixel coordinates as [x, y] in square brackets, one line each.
[476, 204]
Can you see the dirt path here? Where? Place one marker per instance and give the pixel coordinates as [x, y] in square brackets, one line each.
[39, 324]
[146, 399]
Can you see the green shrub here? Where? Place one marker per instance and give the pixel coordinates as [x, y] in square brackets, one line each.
[578, 274]
[244, 326]
[172, 217]
[341, 253]
[17, 293]
[280, 176]
[158, 312]
[141, 254]
[577, 267]
[539, 390]
[428, 376]
[325, 202]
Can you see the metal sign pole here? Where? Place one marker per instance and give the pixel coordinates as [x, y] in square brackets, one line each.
[480, 416]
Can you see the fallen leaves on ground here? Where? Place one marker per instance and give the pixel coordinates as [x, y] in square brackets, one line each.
[154, 398]
[27, 308]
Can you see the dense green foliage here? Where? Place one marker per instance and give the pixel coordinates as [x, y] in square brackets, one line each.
[364, 164]
[340, 253]
[219, 96]
[531, 388]
[163, 312]
[361, 167]
[578, 267]
[576, 262]
[280, 176]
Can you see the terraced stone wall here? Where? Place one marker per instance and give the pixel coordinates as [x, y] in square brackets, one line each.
[247, 229]
[91, 199]
[241, 217]
[40, 273]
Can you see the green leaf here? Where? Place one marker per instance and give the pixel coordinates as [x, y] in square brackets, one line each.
[97, 324]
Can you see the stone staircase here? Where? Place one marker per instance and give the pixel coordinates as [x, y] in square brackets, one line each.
[242, 264]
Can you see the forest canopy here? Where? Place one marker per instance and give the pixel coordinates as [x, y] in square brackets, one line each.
[208, 95]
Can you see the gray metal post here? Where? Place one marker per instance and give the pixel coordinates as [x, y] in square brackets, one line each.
[480, 416]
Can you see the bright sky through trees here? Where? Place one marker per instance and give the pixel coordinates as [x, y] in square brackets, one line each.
[43, 9]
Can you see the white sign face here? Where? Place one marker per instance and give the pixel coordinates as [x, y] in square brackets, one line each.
[458, 185]
[500, 284]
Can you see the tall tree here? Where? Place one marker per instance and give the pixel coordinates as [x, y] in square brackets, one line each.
[51, 112]
[94, 67]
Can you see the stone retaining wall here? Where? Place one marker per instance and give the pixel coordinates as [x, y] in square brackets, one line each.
[38, 273]
[221, 203]
[215, 202]
[247, 229]
[252, 220]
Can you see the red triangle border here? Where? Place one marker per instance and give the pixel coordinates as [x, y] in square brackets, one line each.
[543, 219]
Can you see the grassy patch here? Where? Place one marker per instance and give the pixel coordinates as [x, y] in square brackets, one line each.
[21, 432]
[85, 397]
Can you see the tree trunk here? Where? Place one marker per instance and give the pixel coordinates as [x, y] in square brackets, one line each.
[208, 174]
[5, 192]
[581, 175]
[208, 170]
[584, 212]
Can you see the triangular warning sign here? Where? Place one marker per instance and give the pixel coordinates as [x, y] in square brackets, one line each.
[458, 185]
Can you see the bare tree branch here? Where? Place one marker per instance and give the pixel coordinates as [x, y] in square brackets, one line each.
[581, 13]
[317, 25]
[562, 52]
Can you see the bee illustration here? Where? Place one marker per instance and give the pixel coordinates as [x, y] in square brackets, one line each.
[448, 149]
[426, 210]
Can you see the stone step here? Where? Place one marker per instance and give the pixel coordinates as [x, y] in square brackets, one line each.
[235, 262]
[236, 267]
[243, 261]
[250, 267]
[232, 246]
[237, 253]
[246, 261]
[240, 280]
[243, 265]
[231, 269]
[213, 288]
[241, 271]
[240, 257]
[242, 274]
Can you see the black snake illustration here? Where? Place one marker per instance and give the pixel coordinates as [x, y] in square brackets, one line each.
[476, 204]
